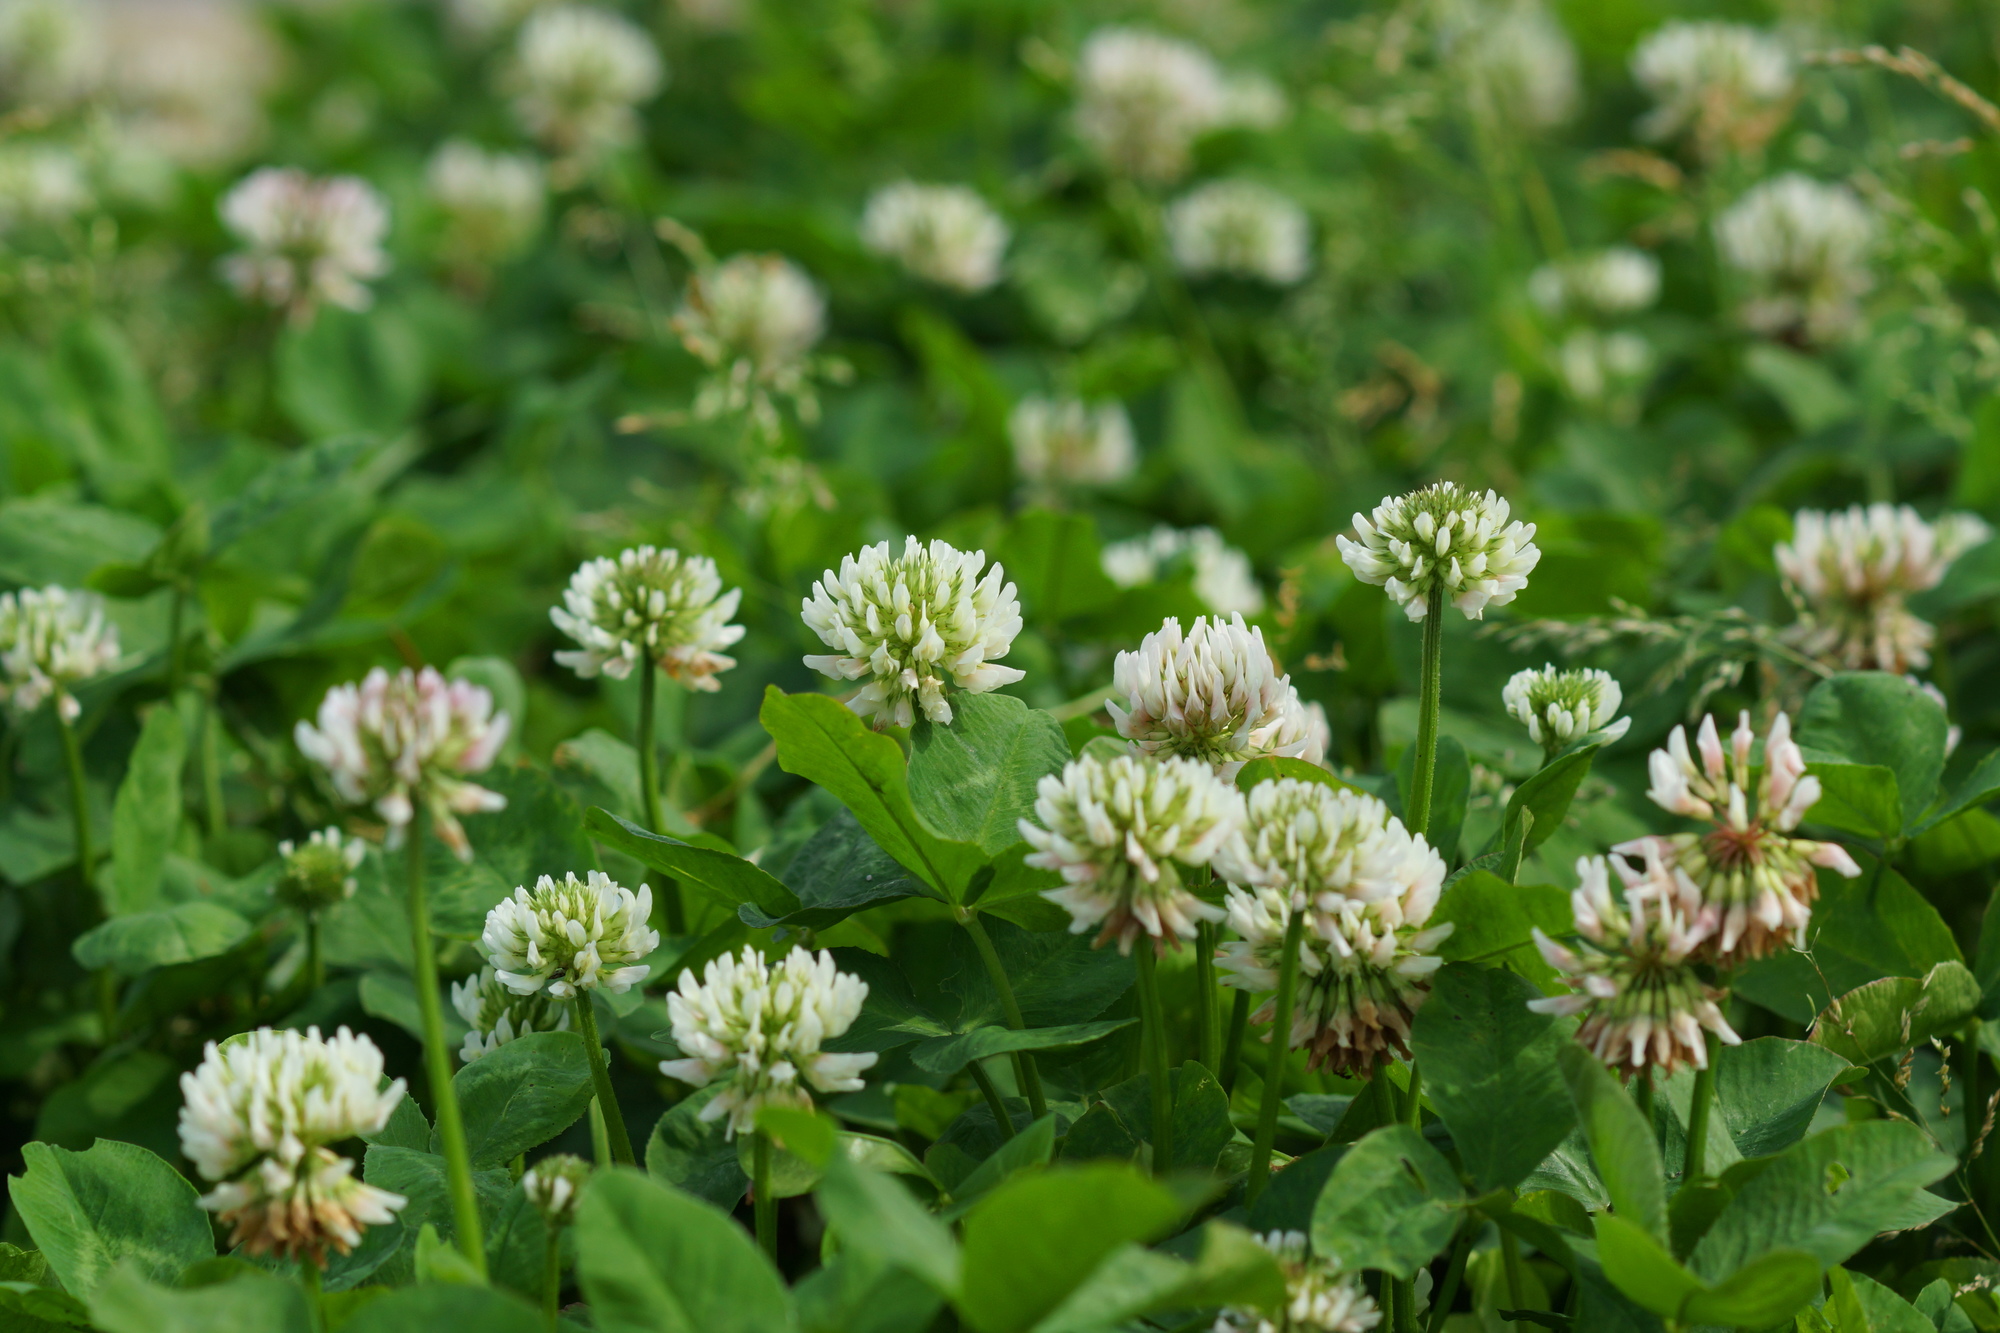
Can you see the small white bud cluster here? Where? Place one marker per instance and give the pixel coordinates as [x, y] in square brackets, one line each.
[1221, 574]
[321, 873]
[1143, 100]
[1854, 570]
[650, 602]
[913, 626]
[306, 239]
[553, 1186]
[187, 79]
[1606, 367]
[1561, 707]
[1066, 442]
[1803, 245]
[1442, 536]
[944, 234]
[41, 183]
[1212, 694]
[578, 73]
[491, 203]
[573, 936]
[1726, 85]
[753, 319]
[1240, 229]
[1600, 284]
[1319, 1298]
[496, 1015]
[1520, 68]
[51, 640]
[761, 1028]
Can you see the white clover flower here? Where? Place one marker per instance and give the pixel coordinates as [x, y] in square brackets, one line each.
[1746, 886]
[53, 53]
[753, 319]
[944, 234]
[1212, 694]
[1561, 707]
[577, 75]
[482, 19]
[1600, 284]
[51, 640]
[553, 1186]
[1119, 832]
[1143, 99]
[1240, 229]
[1724, 84]
[306, 239]
[1319, 1298]
[497, 1015]
[760, 1028]
[649, 602]
[41, 183]
[1442, 536]
[1633, 978]
[913, 626]
[1222, 577]
[579, 935]
[394, 743]
[1803, 246]
[1853, 571]
[1369, 886]
[187, 78]
[1519, 67]
[1253, 101]
[258, 1115]
[491, 203]
[1066, 442]
[319, 874]
[1605, 367]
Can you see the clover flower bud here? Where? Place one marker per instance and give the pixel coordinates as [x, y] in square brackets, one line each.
[1726, 85]
[913, 626]
[578, 73]
[752, 319]
[1520, 68]
[1119, 832]
[1632, 977]
[1067, 442]
[1221, 574]
[1240, 229]
[760, 1028]
[553, 1186]
[649, 603]
[314, 877]
[1606, 368]
[1442, 537]
[496, 1015]
[52, 639]
[1803, 247]
[491, 203]
[944, 234]
[1143, 99]
[1319, 1297]
[1561, 707]
[577, 935]
[1212, 695]
[401, 743]
[258, 1115]
[306, 239]
[1853, 572]
[1601, 284]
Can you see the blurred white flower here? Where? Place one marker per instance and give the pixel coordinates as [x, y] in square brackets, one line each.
[913, 626]
[1803, 247]
[1066, 442]
[761, 1028]
[1519, 66]
[52, 639]
[320, 873]
[496, 1015]
[1119, 831]
[1853, 571]
[1560, 707]
[1143, 99]
[41, 182]
[483, 19]
[1599, 284]
[258, 1116]
[491, 203]
[753, 319]
[397, 743]
[649, 602]
[1222, 577]
[577, 75]
[1724, 84]
[1241, 229]
[306, 239]
[53, 53]
[1253, 101]
[187, 78]
[1606, 368]
[553, 1186]
[1319, 1298]
[1212, 694]
[944, 234]
[577, 935]
[1443, 536]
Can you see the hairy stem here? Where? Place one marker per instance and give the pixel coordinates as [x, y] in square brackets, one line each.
[649, 791]
[1417, 808]
[600, 1077]
[1158, 1082]
[994, 1101]
[1025, 1072]
[1274, 1062]
[762, 1204]
[437, 1063]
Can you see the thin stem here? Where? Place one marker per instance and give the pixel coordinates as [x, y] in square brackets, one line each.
[1413, 1104]
[309, 1278]
[600, 1075]
[1644, 1096]
[1208, 1022]
[1158, 1083]
[1417, 808]
[1510, 1256]
[649, 790]
[552, 1278]
[1025, 1072]
[762, 1204]
[1704, 1102]
[315, 964]
[174, 636]
[437, 1063]
[79, 796]
[1454, 1274]
[600, 1137]
[994, 1101]
[1232, 1046]
[1274, 1061]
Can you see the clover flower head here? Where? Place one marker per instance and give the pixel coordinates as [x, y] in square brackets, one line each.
[42, 183]
[650, 602]
[257, 1117]
[1725, 84]
[1520, 68]
[187, 79]
[319, 874]
[1601, 284]
[53, 53]
[1632, 977]
[913, 626]
[1854, 570]
[760, 1028]
[51, 640]
[491, 203]
[306, 239]
[577, 74]
[576, 935]
[1606, 367]
[1119, 831]
[944, 234]
[1221, 574]
[1803, 247]
[553, 1186]
[496, 1015]
[399, 743]
[1143, 99]
[1240, 229]
[1319, 1297]
[1442, 536]
[1067, 442]
[1212, 694]
[1560, 707]
[753, 320]
[1747, 884]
